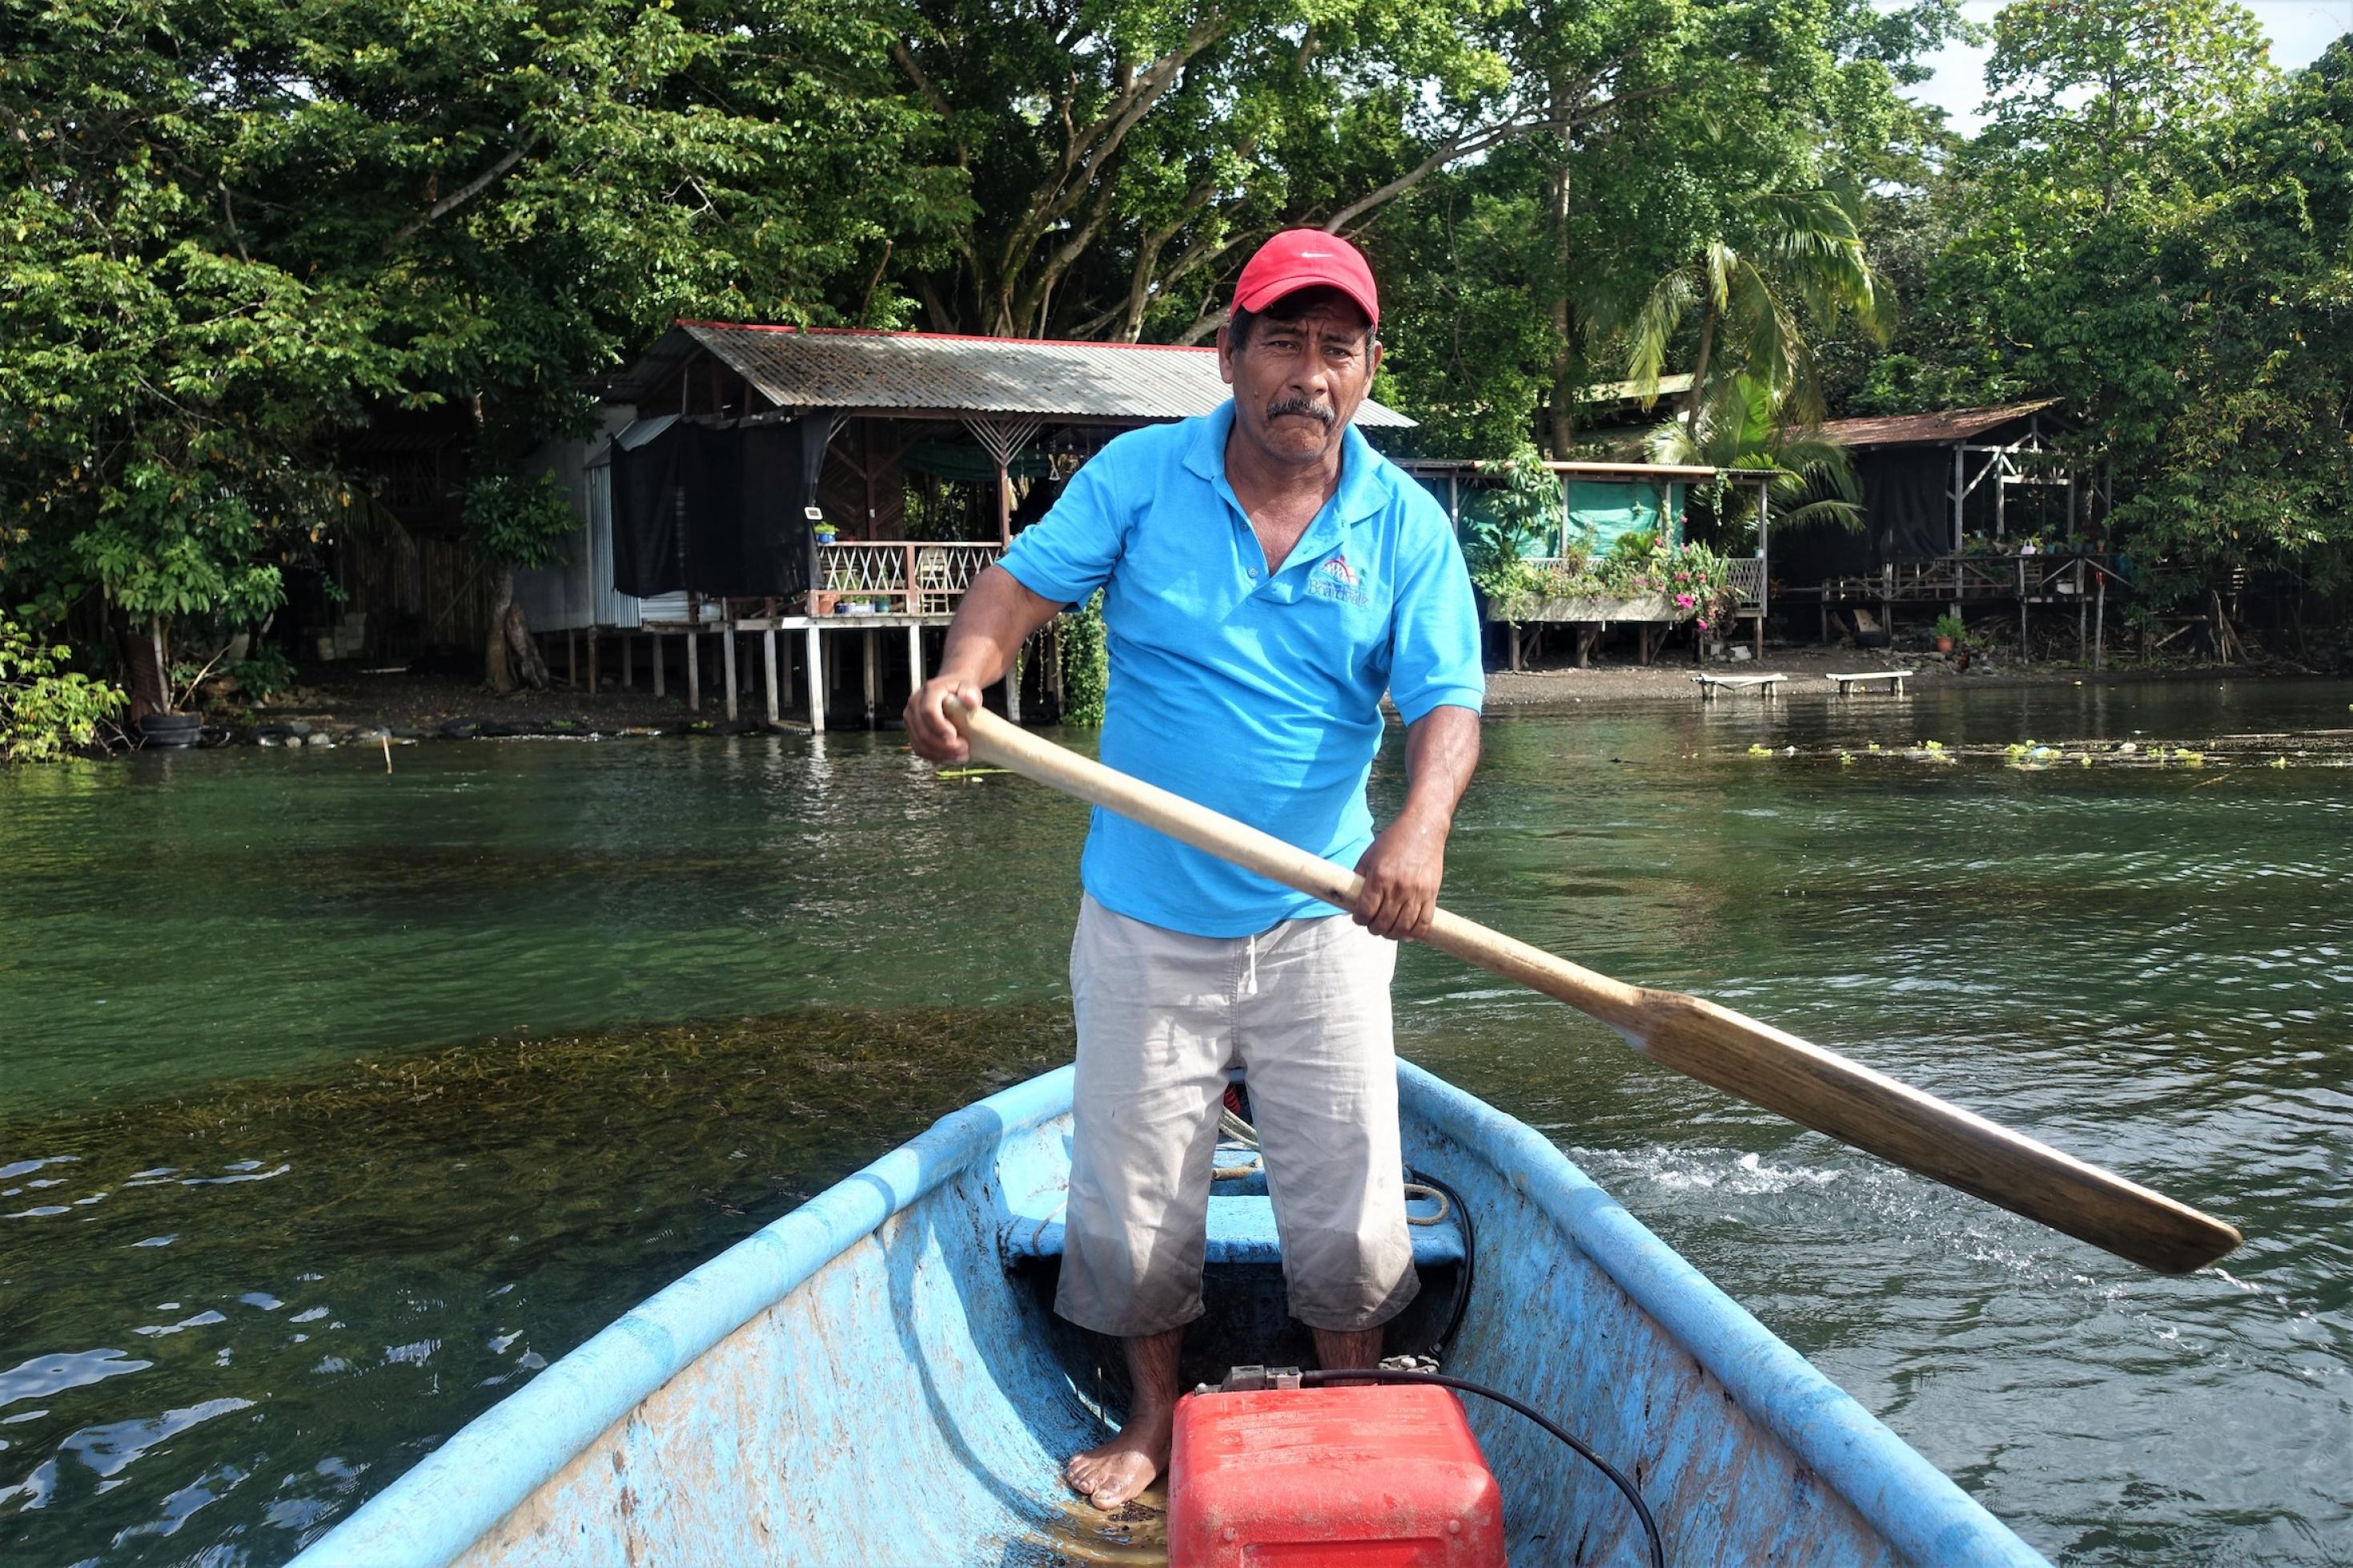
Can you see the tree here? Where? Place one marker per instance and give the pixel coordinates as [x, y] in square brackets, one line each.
[2154, 229]
[1667, 120]
[240, 227]
[1739, 428]
[1122, 155]
[2107, 94]
[1790, 264]
[2249, 459]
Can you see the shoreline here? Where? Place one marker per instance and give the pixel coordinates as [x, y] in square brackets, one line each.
[402, 708]
[1807, 669]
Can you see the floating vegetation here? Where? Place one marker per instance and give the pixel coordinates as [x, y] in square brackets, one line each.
[2318, 749]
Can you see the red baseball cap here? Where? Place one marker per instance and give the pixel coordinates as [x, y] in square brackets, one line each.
[1306, 258]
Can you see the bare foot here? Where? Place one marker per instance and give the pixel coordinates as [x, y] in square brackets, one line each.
[1113, 1473]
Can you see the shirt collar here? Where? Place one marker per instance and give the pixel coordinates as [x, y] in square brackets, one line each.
[1361, 493]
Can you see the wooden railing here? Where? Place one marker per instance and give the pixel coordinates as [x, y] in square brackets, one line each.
[1963, 578]
[927, 577]
[1747, 575]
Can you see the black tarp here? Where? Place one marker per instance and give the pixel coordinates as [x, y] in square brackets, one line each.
[1907, 516]
[716, 508]
[1905, 498]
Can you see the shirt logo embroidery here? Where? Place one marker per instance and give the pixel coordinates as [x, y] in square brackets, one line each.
[1335, 579]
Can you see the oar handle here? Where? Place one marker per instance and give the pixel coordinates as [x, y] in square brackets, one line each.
[1755, 1062]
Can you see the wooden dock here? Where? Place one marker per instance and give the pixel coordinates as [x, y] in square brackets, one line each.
[1766, 687]
[1894, 678]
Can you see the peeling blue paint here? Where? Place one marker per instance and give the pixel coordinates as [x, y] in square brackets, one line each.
[865, 1381]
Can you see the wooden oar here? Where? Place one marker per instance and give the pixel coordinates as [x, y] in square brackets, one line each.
[1714, 1045]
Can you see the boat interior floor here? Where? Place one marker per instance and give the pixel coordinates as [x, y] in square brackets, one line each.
[1246, 1321]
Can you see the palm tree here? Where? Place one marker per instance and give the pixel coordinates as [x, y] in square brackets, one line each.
[1788, 261]
[1734, 430]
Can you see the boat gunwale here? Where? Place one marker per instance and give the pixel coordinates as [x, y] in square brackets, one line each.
[448, 1500]
[453, 1497]
[1916, 1507]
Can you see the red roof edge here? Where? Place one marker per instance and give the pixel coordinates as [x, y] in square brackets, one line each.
[943, 337]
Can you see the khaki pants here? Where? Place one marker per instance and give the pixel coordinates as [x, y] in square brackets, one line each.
[1303, 1011]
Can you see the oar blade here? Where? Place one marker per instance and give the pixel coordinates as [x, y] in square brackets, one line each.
[1779, 1071]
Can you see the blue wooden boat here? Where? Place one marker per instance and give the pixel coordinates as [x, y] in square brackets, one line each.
[876, 1378]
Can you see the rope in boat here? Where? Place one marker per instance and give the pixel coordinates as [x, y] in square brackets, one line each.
[1464, 1385]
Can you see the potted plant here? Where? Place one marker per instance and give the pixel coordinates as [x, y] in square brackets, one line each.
[825, 532]
[1949, 632]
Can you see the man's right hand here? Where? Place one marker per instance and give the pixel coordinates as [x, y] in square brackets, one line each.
[929, 731]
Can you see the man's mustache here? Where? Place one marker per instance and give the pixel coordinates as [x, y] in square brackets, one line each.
[1308, 407]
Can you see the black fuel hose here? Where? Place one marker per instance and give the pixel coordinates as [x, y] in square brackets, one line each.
[1384, 1374]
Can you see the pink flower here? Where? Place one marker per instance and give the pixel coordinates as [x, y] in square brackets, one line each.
[1684, 600]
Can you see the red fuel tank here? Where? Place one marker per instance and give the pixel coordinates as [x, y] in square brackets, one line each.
[1353, 1477]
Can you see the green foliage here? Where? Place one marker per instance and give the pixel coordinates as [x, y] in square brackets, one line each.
[1500, 522]
[517, 521]
[1694, 580]
[1948, 625]
[230, 231]
[2153, 228]
[1086, 664]
[264, 674]
[1784, 263]
[1739, 427]
[45, 710]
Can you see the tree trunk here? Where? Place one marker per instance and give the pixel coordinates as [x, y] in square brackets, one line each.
[146, 674]
[1562, 424]
[522, 651]
[1699, 372]
[495, 668]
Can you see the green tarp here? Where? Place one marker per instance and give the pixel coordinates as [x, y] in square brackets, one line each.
[1600, 509]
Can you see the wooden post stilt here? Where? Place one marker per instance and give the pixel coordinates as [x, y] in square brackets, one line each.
[1013, 686]
[873, 653]
[694, 672]
[2082, 619]
[813, 646]
[592, 661]
[2100, 626]
[572, 657]
[768, 655]
[628, 662]
[727, 666]
[914, 654]
[654, 647]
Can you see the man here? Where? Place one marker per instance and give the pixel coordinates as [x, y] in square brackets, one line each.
[1266, 577]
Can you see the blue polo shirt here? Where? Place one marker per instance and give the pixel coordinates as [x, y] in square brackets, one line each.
[1256, 694]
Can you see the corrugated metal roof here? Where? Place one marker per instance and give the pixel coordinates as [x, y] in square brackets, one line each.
[1631, 391]
[1937, 429]
[933, 372]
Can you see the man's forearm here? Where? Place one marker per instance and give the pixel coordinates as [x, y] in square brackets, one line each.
[1442, 751]
[996, 618]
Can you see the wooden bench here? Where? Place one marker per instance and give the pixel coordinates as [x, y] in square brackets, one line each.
[1766, 685]
[1894, 678]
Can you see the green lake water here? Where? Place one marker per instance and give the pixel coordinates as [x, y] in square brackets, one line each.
[334, 1104]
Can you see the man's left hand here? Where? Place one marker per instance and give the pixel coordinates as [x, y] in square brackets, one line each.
[1401, 872]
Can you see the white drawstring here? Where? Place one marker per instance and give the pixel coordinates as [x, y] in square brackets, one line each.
[1249, 986]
